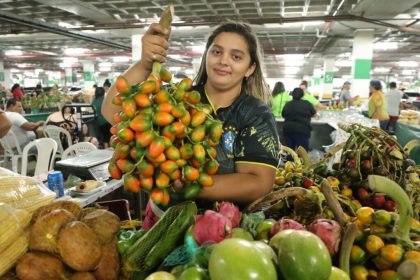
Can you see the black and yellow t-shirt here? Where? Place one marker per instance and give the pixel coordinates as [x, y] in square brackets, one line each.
[249, 133]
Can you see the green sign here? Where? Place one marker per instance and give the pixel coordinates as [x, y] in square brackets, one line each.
[317, 81]
[1, 76]
[329, 77]
[88, 76]
[68, 79]
[362, 69]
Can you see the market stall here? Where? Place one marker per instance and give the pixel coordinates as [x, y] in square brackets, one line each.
[406, 133]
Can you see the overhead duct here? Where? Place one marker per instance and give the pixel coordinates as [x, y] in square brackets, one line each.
[390, 8]
[60, 31]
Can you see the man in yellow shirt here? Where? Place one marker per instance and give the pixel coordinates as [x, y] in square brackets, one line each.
[377, 104]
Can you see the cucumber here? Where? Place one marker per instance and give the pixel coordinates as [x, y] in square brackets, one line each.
[150, 250]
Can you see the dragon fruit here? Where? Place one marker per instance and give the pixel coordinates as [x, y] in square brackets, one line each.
[329, 231]
[230, 211]
[283, 224]
[212, 227]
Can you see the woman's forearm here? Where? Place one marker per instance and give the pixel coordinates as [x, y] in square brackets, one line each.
[240, 188]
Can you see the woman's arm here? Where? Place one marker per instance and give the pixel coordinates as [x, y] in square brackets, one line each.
[250, 182]
[5, 124]
[154, 48]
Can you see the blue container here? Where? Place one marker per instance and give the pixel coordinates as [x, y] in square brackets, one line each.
[56, 182]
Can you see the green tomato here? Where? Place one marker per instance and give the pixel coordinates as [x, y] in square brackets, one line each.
[242, 234]
[301, 255]
[264, 228]
[193, 273]
[338, 274]
[160, 275]
[267, 250]
[238, 259]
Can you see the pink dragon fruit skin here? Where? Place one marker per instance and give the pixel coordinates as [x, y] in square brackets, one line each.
[329, 231]
[212, 227]
[230, 211]
[283, 224]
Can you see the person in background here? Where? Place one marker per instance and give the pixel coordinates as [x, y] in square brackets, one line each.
[5, 124]
[38, 89]
[104, 127]
[280, 98]
[377, 104]
[345, 97]
[106, 85]
[393, 99]
[54, 90]
[310, 98]
[297, 116]
[17, 92]
[23, 129]
[67, 119]
[230, 79]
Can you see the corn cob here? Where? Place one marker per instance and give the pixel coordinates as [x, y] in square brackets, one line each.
[12, 224]
[11, 254]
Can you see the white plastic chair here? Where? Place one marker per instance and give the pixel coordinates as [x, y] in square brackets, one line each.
[12, 149]
[78, 149]
[46, 150]
[54, 132]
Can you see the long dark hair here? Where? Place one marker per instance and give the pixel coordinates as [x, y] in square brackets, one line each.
[99, 91]
[255, 84]
[14, 87]
[278, 88]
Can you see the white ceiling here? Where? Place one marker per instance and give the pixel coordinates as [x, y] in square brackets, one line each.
[42, 29]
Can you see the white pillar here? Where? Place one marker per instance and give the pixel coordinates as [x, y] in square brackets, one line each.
[136, 47]
[196, 62]
[362, 62]
[88, 75]
[316, 85]
[8, 79]
[2, 78]
[327, 91]
[68, 77]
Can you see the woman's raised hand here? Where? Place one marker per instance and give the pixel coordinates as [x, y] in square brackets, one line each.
[154, 45]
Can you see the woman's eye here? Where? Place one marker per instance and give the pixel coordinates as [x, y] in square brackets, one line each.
[236, 57]
[216, 52]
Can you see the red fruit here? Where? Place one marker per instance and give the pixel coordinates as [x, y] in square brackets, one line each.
[156, 195]
[351, 163]
[329, 231]
[125, 134]
[205, 180]
[146, 183]
[172, 153]
[389, 205]
[378, 201]
[212, 227]
[363, 194]
[198, 119]
[230, 211]
[142, 100]
[191, 173]
[165, 75]
[194, 97]
[164, 107]
[156, 82]
[168, 166]
[284, 224]
[162, 96]
[145, 169]
[157, 147]
[146, 87]
[129, 107]
[162, 181]
[307, 183]
[114, 171]
[144, 138]
[178, 111]
[131, 183]
[366, 165]
[125, 165]
[140, 123]
[175, 175]
[185, 84]
[162, 118]
[117, 100]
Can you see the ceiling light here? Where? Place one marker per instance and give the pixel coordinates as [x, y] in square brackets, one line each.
[70, 60]
[407, 72]
[272, 25]
[385, 46]
[343, 63]
[23, 65]
[75, 51]
[117, 16]
[105, 65]
[294, 62]
[14, 70]
[105, 69]
[410, 63]
[65, 64]
[121, 59]
[291, 70]
[199, 49]
[67, 25]
[381, 70]
[291, 56]
[345, 55]
[13, 53]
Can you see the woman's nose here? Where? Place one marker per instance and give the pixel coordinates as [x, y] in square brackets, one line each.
[224, 59]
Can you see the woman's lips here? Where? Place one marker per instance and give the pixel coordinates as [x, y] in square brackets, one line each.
[221, 72]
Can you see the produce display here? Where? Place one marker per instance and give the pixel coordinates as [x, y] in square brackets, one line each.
[409, 117]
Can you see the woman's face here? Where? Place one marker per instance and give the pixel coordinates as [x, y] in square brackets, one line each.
[228, 61]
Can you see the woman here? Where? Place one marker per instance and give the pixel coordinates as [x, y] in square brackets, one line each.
[297, 116]
[68, 120]
[377, 104]
[230, 79]
[104, 134]
[280, 98]
[17, 92]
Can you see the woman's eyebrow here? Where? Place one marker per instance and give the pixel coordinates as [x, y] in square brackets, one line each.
[234, 50]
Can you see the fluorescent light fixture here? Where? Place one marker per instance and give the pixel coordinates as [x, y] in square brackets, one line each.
[121, 59]
[272, 25]
[381, 69]
[105, 65]
[67, 25]
[65, 64]
[407, 72]
[199, 49]
[294, 62]
[38, 71]
[291, 70]
[385, 46]
[136, 16]
[183, 27]
[74, 51]
[14, 70]
[336, 69]
[13, 53]
[23, 65]
[105, 69]
[343, 63]
[70, 60]
[410, 63]
[296, 56]
[117, 16]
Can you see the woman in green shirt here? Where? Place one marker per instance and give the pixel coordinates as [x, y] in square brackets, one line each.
[280, 98]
